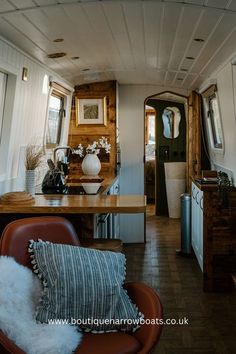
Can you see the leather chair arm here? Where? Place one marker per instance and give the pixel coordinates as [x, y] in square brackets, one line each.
[149, 304]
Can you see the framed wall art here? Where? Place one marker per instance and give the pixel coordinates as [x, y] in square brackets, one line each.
[91, 111]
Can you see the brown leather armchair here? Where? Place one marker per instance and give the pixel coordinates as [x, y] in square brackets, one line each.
[14, 243]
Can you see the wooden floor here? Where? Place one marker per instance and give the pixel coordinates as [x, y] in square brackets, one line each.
[178, 280]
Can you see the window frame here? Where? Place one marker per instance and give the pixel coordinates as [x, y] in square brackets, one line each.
[3, 101]
[216, 131]
[62, 97]
[213, 123]
[149, 113]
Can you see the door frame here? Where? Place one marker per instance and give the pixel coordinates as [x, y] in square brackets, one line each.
[193, 132]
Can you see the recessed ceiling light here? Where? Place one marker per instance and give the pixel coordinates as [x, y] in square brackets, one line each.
[190, 58]
[74, 58]
[199, 40]
[56, 55]
[87, 69]
[57, 40]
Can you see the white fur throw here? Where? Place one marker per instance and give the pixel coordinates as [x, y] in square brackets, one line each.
[20, 290]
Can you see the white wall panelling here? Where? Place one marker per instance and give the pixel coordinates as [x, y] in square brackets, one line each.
[25, 111]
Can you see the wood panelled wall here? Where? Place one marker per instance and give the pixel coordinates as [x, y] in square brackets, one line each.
[86, 134]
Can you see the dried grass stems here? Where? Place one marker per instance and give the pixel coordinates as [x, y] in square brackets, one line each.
[33, 156]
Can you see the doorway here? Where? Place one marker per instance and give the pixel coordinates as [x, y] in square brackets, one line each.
[150, 153]
[169, 144]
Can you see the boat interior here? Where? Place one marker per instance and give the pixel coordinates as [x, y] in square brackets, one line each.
[118, 135]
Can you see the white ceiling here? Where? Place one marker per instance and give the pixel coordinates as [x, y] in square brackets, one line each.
[133, 42]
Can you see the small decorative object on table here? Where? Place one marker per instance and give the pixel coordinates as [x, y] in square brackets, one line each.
[91, 164]
[90, 185]
[53, 181]
[33, 159]
[19, 198]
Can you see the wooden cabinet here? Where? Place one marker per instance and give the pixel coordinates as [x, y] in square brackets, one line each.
[197, 223]
[214, 236]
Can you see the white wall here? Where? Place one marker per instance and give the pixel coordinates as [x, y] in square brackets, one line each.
[131, 128]
[226, 84]
[25, 113]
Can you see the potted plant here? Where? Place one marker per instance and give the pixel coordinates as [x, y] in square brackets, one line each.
[224, 186]
[33, 159]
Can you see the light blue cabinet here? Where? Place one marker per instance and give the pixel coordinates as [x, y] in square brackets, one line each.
[197, 223]
[108, 225]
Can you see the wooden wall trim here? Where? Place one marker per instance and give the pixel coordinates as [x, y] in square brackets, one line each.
[193, 137]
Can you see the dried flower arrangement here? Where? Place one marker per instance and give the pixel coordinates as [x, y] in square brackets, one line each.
[33, 156]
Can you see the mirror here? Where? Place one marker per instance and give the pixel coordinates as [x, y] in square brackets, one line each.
[171, 118]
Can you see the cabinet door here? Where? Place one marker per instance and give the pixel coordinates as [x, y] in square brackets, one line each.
[200, 219]
[197, 223]
[115, 218]
[194, 219]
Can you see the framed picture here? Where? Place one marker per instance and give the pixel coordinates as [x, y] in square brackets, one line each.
[91, 111]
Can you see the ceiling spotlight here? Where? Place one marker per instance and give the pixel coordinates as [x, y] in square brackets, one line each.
[56, 55]
[199, 40]
[190, 58]
[74, 58]
[57, 40]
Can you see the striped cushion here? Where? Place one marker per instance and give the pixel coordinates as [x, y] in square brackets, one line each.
[82, 285]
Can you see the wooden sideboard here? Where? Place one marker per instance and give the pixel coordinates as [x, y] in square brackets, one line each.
[214, 237]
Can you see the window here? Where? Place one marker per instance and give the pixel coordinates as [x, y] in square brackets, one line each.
[215, 123]
[56, 113]
[150, 125]
[171, 119]
[213, 117]
[151, 129]
[3, 85]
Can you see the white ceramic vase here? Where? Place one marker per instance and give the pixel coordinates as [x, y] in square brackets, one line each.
[91, 165]
[30, 182]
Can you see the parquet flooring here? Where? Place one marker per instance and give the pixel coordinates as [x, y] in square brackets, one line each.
[178, 280]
